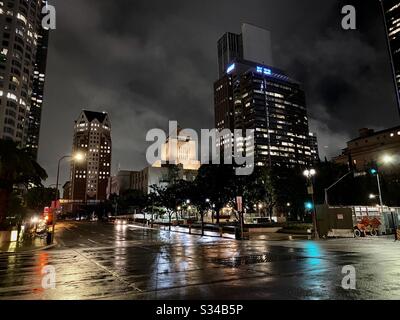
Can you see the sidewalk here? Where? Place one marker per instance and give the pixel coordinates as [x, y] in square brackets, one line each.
[185, 230]
[225, 235]
[29, 245]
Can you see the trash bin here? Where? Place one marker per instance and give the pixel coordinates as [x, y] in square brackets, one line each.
[238, 235]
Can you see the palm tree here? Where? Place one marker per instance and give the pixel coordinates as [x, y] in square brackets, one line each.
[16, 168]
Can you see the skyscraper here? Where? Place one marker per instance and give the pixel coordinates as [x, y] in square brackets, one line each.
[313, 141]
[391, 12]
[92, 137]
[253, 44]
[252, 95]
[39, 74]
[22, 65]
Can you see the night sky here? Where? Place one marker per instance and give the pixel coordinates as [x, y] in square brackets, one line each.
[148, 62]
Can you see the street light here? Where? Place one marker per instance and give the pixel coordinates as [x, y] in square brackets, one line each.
[372, 196]
[77, 157]
[310, 174]
[260, 206]
[387, 159]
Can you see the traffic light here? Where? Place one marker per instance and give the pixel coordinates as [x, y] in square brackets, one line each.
[309, 206]
[373, 171]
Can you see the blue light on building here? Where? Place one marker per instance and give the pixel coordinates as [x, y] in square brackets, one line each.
[264, 71]
[267, 71]
[231, 68]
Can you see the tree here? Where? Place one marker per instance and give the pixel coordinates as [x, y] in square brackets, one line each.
[132, 199]
[39, 197]
[166, 197]
[17, 167]
[218, 185]
[200, 199]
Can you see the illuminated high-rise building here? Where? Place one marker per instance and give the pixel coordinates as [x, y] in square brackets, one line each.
[92, 137]
[391, 12]
[23, 54]
[251, 94]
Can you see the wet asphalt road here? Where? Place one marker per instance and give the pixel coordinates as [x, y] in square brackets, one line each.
[101, 261]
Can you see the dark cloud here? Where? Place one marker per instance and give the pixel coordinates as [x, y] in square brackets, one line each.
[147, 62]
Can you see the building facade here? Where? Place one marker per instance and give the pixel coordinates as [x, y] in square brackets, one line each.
[67, 190]
[179, 150]
[23, 55]
[313, 142]
[161, 177]
[371, 148]
[253, 95]
[252, 44]
[267, 101]
[178, 161]
[122, 181]
[92, 137]
[391, 12]
[37, 98]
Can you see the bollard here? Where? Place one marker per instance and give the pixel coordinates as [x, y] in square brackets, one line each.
[220, 232]
[190, 229]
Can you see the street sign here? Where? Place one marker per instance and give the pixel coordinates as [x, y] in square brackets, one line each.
[239, 202]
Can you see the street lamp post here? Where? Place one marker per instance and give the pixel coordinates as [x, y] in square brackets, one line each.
[309, 174]
[386, 159]
[76, 157]
[333, 185]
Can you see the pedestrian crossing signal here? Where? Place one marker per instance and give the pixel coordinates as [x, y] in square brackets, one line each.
[309, 205]
[373, 171]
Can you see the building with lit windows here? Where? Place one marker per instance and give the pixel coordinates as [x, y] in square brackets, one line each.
[267, 101]
[391, 12]
[179, 150]
[252, 44]
[23, 55]
[92, 137]
[37, 97]
[253, 95]
[313, 141]
[178, 162]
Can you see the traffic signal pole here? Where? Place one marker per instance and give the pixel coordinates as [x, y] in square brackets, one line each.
[333, 185]
[378, 179]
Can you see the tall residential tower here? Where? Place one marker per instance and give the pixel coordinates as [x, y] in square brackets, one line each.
[92, 137]
[23, 55]
[391, 12]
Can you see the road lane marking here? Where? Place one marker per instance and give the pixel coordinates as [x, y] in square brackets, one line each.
[92, 241]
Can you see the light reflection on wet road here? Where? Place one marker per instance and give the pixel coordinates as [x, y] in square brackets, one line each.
[101, 261]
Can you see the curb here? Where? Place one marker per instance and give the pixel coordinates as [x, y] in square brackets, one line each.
[31, 250]
[182, 232]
